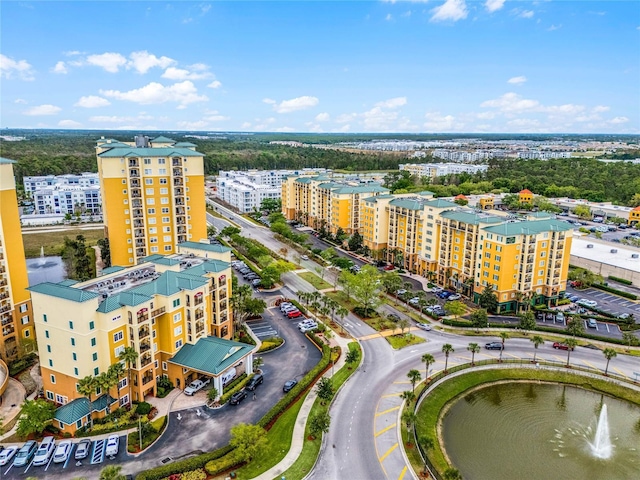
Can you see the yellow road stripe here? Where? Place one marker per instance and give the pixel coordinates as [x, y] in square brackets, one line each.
[391, 395]
[402, 382]
[511, 355]
[384, 430]
[404, 470]
[590, 364]
[388, 410]
[388, 452]
[619, 372]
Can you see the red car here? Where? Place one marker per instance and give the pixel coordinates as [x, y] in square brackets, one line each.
[294, 314]
[389, 267]
[561, 346]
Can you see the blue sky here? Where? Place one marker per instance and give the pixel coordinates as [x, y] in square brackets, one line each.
[350, 66]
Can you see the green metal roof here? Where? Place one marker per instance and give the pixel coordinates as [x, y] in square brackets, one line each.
[185, 144]
[408, 203]
[63, 291]
[80, 407]
[378, 197]
[532, 227]
[68, 282]
[6, 160]
[161, 260]
[303, 180]
[170, 283]
[162, 139]
[368, 188]
[425, 193]
[114, 269]
[210, 266]
[540, 215]
[114, 145]
[471, 218]
[109, 304]
[211, 355]
[439, 203]
[149, 152]
[206, 247]
[329, 185]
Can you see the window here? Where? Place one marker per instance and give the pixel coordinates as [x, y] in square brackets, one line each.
[149, 191]
[75, 356]
[164, 191]
[70, 324]
[540, 273]
[153, 240]
[148, 181]
[155, 364]
[49, 348]
[166, 220]
[44, 317]
[164, 365]
[75, 371]
[92, 325]
[496, 277]
[93, 342]
[543, 254]
[177, 331]
[23, 308]
[496, 268]
[94, 356]
[46, 333]
[166, 229]
[176, 303]
[542, 263]
[50, 363]
[124, 400]
[162, 171]
[498, 258]
[147, 161]
[179, 344]
[27, 333]
[163, 181]
[151, 211]
[154, 249]
[118, 350]
[151, 201]
[152, 221]
[122, 383]
[96, 371]
[73, 342]
[167, 248]
[147, 171]
[161, 161]
[124, 192]
[49, 394]
[118, 336]
[52, 378]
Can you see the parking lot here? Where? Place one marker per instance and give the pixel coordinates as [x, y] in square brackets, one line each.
[608, 302]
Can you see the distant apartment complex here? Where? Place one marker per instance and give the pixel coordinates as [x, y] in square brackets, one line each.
[153, 196]
[432, 170]
[245, 190]
[319, 202]
[16, 314]
[64, 194]
[173, 310]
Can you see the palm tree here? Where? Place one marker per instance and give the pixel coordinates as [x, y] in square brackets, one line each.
[570, 343]
[503, 337]
[408, 396]
[452, 474]
[105, 381]
[111, 472]
[414, 376]
[409, 418]
[428, 360]
[609, 353]
[86, 386]
[129, 356]
[447, 348]
[519, 296]
[341, 312]
[473, 348]
[426, 444]
[537, 341]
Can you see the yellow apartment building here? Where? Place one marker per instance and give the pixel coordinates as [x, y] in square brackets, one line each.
[15, 302]
[153, 196]
[173, 310]
[525, 196]
[634, 216]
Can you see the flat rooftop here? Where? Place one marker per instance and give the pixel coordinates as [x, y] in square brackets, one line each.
[603, 252]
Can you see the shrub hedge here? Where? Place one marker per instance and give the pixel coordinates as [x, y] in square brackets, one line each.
[620, 280]
[234, 387]
[222, 464]
[606, 288]
[186, 465]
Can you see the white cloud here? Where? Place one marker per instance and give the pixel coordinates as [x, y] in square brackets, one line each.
[110, 61]
[618, 120]
[526, 14]
[69, 124]
[389, 17]
[216, 117]
[517, 80]
[494, 5]
[72, 53]
[436, 122]
[285, 129]
[601, 108]
[109, 119]
[554, 27]
[10, 67]
[298, 103]
[42, 110]
[60, 68]
[511, 102]
[143, 61]
[92, 101]
[346, 117]
[245, 125]
[406, 14]
[486, 115]
[453, 10]
[215, 84]
[322, 117]
[268, 101]
[197, 125]
[392, 102]
[183, 93]
[173, 73]
[20, 100]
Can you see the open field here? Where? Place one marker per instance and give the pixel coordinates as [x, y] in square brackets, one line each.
[53, 242]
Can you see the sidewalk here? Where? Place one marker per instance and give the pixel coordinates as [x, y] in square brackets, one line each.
[298, 438]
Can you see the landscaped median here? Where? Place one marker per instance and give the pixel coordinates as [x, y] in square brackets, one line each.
[428, 413]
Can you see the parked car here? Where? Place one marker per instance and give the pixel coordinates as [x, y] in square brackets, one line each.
[62, 451]
[25, 454]
[561, 346]
[455, 296]
[7, 454]
[304, 257]
[493, 346]
[256, 282]
[195, 386]
[394, 317]
[623, 316]
[438, 311]
[237, 397]
[414, 301]
[388, 268]
[424, 326]
[402, 291]
[113, 442]
[284, 305]
[308, 327]
[256, 380]
[294, 314]
[444, 294]
[83, 448]
[44, 452]
[291, 309]
[560, 317]
[591, 323]
[289, 384]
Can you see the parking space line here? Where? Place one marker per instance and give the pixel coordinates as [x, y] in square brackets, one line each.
[404, 470]
[386, 429]
[391, 395]
[620, 373]
[388, 411]
[388, 452]
[50, 460]
[10, 467]
[589, 364]
[73, 445]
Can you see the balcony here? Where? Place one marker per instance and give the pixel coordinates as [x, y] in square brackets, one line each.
[141, 252]
[140, 243]
[135, 183]
[199, 315]
[136, 203]
[135, 193]
[178, 182]
[177, 172]
[8, 330]
[145, 360]
[143, 333]
[134, 163]
[7, 319]
[157, 312]
[182, 238]
[147, 378]
[144, 347]
[137, 213]
[182, 230]
[176, 162]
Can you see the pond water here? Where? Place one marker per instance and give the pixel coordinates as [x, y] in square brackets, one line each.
[523, 431]
[45, 269]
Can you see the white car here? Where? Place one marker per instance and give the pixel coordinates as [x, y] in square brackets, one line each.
[62, 451]
[195, 386]
[111, 449]
[304, 257]
[455, 296]
[7, 454]
[402, 291]
[414, 301]
[424, 326]
[308, 327]
[44, 452]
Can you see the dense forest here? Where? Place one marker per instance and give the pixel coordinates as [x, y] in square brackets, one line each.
[59, 152]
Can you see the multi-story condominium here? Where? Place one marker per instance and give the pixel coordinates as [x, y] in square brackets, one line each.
[432, 170]
[153, 196]
[34, 183]
[16, 315]
[320, 203]
[173, 310]
[63, 199]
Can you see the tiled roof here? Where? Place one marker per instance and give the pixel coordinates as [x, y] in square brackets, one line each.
[68, 282]
[211, 355]
[206, 247]
[470, 217]
[378, 197]
[79, 408]
[149, 152]
[526, 191]
[114, 145]
[368, 188]
[532, 227]
[63, 291]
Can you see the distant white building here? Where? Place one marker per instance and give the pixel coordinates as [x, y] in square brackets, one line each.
[64, 194]
[432, 170]
[245, 190]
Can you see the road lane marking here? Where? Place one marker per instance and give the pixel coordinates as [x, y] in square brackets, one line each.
[402, 382]
[388, 452]
[388, 410]
[621, 373]
[392, 395]
[511, 355]
[590, 365]
[404, 470]
[384, 430]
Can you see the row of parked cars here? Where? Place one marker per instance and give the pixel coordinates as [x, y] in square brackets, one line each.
[41, 454]
[291, 311]
[248, 274]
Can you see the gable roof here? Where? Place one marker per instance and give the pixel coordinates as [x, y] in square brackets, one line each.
[80, 407]
[170, 283]
[63, 291]
[162, 139]
[207, 247]
[440, 203]
[531, 227]
[211, 355]
[6, 160]
[470, 217]
[130, 151]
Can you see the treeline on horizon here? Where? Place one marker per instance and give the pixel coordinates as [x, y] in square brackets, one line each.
[60, 152]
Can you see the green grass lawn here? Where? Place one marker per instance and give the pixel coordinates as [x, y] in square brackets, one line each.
[53, 242]
[317, 282]
[400, 341]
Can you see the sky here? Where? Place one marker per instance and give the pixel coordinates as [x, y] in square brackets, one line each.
[485, 66]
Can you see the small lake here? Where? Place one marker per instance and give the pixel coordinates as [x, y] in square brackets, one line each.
[45, 269]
